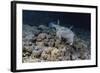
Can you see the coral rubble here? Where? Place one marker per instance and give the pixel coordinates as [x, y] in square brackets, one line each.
[42, 43]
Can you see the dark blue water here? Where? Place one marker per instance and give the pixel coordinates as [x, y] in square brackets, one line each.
[78, 20]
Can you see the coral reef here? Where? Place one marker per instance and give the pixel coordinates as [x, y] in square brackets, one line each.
[42, 43]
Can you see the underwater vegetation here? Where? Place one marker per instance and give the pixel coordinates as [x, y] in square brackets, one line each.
[53, 43]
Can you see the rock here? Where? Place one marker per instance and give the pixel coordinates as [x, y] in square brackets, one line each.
[38, 39]
[51, 42]
[32, 60]
[48, 50]
[28, 47]
[60, 59]
[29, 37]
[35, 30]
[39, 47]
[67, 57]
[34, 39]
[78, 43]
[52, 32]
[57, 43]
[49, 58]
[27, 29]
[41, 36]
[46, 42]
[49, 54]
[40, 43]
[48, 36]
[28, 44]
[36, 53]
[26, 54]
[25, 59]
[44, 55]
[55, 53]
[74, 56]
[62, 51]
[43, 27]
[84, 54]
[68, 54]
[60, 46]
